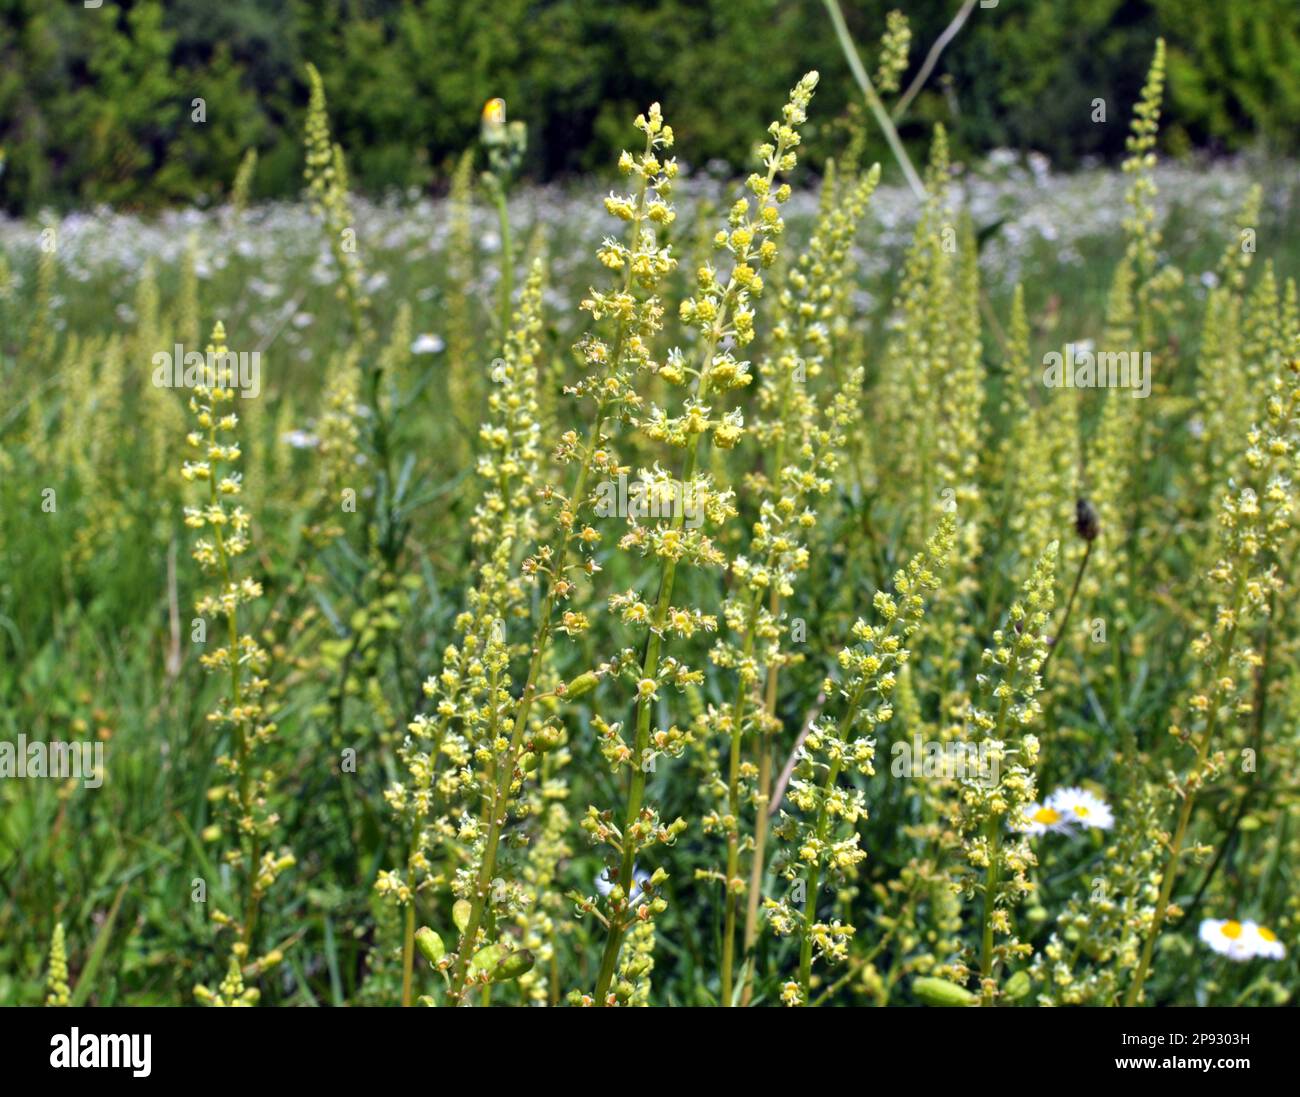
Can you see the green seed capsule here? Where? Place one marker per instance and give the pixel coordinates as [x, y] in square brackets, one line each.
[547, 738]
[1017, 986]
[460, 913]
[485, 959]
[582, 684]
[513, 966]
[429, 944]
[940, 992]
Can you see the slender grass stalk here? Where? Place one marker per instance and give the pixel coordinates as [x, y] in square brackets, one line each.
[873, 100]
[1086, 524]
[507, 253]
[931, 59]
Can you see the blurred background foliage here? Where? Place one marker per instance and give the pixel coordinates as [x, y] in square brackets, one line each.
[96, 105]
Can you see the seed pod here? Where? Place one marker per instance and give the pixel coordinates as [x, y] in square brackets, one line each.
[582, 684]
[460, 913]
[485, 959]
[430, 945]
[547, 738]
[513, 966]
[940, 992]
[1017, 986]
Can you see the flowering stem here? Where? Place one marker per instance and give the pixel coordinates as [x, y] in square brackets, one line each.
[823, 822]
[541, 638]
[733, 805]
[993, 831]
[1188, 793]
[762, 800]
[649, 668]
[408, 952]
[1069, 606]
[1261, 706]
[241, 737]
[765, 753]
[500, 794]
[654, 642]
[873, 100]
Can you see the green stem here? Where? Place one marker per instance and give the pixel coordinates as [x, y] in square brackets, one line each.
[823, 823]
[993, 830]
[1069, 606]
[873, 100]
[541, 640]
[507, 254]
[733, 806]
[761, 805]
[654, 642]
[1184, 812]
[408, 952]
[636, 787]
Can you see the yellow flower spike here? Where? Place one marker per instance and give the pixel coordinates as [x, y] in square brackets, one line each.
[58, 992]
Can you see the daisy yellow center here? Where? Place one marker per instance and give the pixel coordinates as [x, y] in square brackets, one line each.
[1231, 930]
[1081, 811]
[1267, 934]
[1047, 816]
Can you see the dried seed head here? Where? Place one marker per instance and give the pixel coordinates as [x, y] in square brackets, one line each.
[1086, 522]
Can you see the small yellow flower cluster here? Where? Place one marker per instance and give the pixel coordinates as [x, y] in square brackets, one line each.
[339, 432]
[469, 694]
[722, 310]
[240, 660]
[894, 46]
[821, 839]
[56, 984]
[327, 189]
[1256, 522]
[801, 453]
[511, 436]
[997, 865]
[231, 992]
[1144, 237]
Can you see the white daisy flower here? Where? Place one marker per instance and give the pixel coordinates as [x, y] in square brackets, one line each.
[1042, 818]
[300, 439]
[639, 879]
[1228, 938]
[1082, 807]
[427, 344]
[1264, 941]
